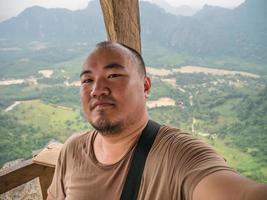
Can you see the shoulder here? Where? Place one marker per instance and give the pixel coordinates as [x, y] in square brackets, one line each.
[76, 142]
[182, 148]
[77, 137]
[184, 158]
[170, 137]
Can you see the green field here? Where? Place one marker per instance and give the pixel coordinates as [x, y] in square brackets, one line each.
[32, 124]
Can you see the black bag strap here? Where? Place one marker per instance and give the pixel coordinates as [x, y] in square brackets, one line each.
[133, 179]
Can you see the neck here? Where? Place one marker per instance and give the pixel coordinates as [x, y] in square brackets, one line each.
[109, 149]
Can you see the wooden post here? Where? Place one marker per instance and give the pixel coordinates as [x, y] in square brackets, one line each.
[45, 180]
[122, 22]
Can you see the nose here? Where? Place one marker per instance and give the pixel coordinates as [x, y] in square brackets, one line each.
[100, 88]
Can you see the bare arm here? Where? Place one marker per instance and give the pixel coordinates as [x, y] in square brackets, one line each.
[225, 185]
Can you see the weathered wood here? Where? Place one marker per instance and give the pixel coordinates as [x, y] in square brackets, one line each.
[122, 22]
[49, 155]
[20, 174]
[45, 180]
[43, 166]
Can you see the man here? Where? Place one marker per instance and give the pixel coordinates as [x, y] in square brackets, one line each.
[114, 89]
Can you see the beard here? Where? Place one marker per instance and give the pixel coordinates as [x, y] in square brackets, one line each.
[103, 124]
[105, 127]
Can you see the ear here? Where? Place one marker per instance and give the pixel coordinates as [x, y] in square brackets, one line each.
[147, 86]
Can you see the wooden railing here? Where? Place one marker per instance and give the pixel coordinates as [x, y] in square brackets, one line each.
[41, 166]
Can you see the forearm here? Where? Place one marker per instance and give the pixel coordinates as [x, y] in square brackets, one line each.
[225, 185]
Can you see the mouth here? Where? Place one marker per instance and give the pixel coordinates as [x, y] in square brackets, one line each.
[101, 105]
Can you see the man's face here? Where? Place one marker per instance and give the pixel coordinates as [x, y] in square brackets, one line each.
[113, 91]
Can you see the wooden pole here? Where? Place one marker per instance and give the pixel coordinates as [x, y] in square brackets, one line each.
[122, 21]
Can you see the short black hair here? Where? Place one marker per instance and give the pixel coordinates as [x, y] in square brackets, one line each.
[135, 53]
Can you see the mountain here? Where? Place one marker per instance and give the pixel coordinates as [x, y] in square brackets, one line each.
[184, 10]
[213, 32]
[217, 31]
[179, 10]
[42, 24]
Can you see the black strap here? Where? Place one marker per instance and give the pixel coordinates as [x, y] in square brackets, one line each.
[133, 179]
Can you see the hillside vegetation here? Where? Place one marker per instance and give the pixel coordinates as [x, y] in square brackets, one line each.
[228, 111]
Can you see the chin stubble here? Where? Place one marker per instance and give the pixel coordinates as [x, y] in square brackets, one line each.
[106, 127]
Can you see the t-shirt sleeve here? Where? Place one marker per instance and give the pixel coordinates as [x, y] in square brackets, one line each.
[56, 189]
[196, 160]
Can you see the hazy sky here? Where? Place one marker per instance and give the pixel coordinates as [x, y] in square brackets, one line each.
[9, 8]
[198, 3]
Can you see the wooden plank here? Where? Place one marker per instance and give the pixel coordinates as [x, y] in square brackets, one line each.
[49, 155]
[122, 21]
[19, 174]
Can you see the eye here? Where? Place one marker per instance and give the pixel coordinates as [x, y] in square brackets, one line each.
[114, 75]
[87, 81]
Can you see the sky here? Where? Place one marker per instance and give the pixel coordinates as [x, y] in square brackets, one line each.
[10, 8]
[199, 3]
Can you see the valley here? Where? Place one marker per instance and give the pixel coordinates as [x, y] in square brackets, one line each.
[203, 101]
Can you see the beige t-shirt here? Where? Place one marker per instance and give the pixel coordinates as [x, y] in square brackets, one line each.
[175, 164]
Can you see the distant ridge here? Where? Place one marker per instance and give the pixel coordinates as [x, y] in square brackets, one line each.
[55, 24]
[213, 31]
[179, 10]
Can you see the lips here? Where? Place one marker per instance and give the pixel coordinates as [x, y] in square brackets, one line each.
[101, 104]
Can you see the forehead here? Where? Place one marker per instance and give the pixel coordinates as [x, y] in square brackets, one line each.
[113, 54]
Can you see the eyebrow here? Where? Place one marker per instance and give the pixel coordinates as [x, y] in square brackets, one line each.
[109, 66]
[85, 72]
